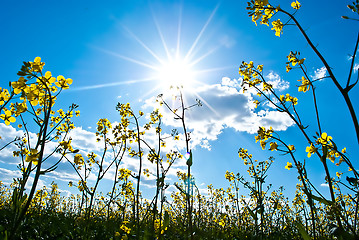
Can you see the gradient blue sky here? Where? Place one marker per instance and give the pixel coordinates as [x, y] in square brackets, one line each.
[106, 47]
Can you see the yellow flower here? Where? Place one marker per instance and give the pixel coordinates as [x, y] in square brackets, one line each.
[296, 5]
[288, 68]
[20, 108]
[146, 172]
[125, 229]
[260, 68]
[37, 65]
[293, 58]
[273, 146]
[222, 223]
[305, 86]
[263, 144]
[19, 85]
[282, 98]
[92, 156]
[7, 117]
[277, 27]
[78, 159]
[289, 165]
[310, 150]
[32, 156]
[229, 176]
[62, 82]
[291, 147]
[289, 98]
[158, 129]
[4, 96]
[66, 145]
[324, 139]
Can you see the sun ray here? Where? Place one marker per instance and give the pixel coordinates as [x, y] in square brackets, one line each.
[214, 69]
[126, 58]
[197, 60]
[144, 45]
[207, 104]
[188, 55]
[105, 85]
[172, 69]
[179, 31]
[161, 35]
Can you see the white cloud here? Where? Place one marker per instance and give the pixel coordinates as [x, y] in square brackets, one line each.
[226, 81]
[356, 67]
[224, 106]
[320, 73]
[7, 177]
[84, 140]
[276, 81]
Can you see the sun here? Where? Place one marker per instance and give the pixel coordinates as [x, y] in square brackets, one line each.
[176, 73]
[177, 63]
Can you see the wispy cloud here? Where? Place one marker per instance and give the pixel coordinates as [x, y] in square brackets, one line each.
[320, 73]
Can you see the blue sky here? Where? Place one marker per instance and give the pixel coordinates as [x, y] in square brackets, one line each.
[110, 48]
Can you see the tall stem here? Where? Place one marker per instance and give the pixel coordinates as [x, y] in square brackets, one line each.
[343, 91]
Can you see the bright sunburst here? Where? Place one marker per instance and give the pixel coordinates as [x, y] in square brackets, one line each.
[176, 72]
[176, 68]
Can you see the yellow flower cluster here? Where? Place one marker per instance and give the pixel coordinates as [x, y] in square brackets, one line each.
[277, 27]
[251, 76]
[294, 59]
[103, 125]
[7, 117]
[124, 174]
[263, 136]
[78, 159]
[288, 98]
[260, 9]
[229, 176]
[296, 5]
[325, 143]
[66, 146]
[305, 86]
[32, 156]
[40, 92]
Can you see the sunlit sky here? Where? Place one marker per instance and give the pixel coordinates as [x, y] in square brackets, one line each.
[115, 51]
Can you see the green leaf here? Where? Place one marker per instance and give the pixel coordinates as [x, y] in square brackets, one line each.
[340, 233]
[319, 199]
[166, 220]
[252, 213]
[302, 231]
[189, 161]
[322, 200]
